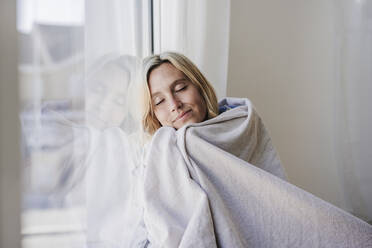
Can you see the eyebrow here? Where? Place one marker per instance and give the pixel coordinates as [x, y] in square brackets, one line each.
[174, 83]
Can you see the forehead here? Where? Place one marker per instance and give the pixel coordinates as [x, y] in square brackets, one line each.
[164, 76]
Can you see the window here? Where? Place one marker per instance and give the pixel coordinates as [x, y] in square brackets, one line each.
[58, 41]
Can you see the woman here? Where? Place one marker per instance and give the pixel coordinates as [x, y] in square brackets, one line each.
[212, 178]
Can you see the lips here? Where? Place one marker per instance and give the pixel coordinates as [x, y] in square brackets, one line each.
[182, 115]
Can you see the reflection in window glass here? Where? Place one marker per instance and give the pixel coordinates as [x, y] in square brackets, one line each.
[51, 67]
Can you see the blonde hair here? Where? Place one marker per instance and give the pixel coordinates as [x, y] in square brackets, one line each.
[149, 121]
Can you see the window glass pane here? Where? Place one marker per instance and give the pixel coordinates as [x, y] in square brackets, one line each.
[51, 73]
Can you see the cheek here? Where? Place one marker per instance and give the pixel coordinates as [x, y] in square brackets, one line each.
[162, 116]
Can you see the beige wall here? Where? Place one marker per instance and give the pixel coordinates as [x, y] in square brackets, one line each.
[281, 57]
[10, 188]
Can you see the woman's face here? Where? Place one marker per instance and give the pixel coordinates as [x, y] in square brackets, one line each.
[176, 100]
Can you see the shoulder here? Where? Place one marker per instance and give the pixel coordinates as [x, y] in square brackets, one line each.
[228, 103]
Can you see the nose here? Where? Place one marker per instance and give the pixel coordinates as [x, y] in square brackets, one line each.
[175, 103]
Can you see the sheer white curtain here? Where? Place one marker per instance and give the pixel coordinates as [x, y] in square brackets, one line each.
[200, 30]
[353, 104]
[116, 26]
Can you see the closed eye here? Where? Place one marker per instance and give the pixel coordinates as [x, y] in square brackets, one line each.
[181, 89]
[159, 102]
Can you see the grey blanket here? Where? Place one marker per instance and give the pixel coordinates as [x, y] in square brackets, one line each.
[220, 184]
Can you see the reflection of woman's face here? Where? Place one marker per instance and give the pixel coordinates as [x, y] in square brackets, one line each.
[175, 98]
[106, 97]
